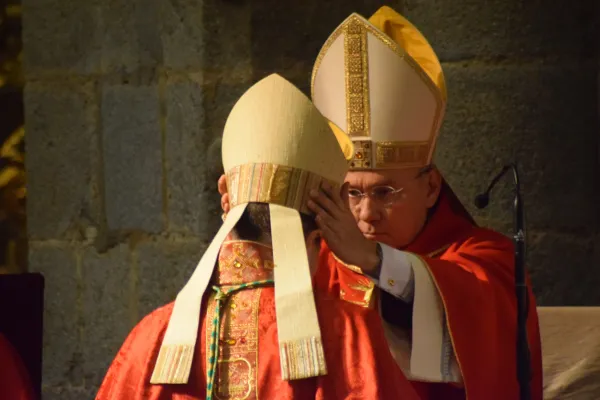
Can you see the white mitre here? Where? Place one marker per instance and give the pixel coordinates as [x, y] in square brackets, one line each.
[380, 81]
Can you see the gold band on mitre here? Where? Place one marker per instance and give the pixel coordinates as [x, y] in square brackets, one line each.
[389, 155]
[273, 184]
[381, 83]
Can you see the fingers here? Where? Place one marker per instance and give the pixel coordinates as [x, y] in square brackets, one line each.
[324, 203]
[344, 197]
[322, 216]
[334, 195]
[328, 235]
[329, 199]
[222, 185]
[225, 203]
[323, 221]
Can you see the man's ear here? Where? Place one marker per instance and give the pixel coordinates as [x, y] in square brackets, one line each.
[434, 186]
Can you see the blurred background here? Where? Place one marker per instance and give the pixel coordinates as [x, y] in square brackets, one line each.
[122, 103]
[13, 237]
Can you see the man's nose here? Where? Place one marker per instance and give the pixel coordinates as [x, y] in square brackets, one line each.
[368, 210]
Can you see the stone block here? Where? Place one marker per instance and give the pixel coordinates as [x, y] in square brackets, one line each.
[107, 313]
[62, 144]
[131, 37]
[466, 29]
[185, 150]
[504, 226]
[542, 116]
[219, 100]
[301, 30]
[132, 154]
[227, 37]
[183, 34]
[563, 270]
[63, 353]
[163, 269]
[68, 393]
[61, 35]
[212, 199]
[193, 162]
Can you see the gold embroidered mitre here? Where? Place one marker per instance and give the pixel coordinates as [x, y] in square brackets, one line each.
[276, 148]
[381, 83]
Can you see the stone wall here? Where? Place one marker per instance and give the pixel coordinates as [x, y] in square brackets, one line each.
[126, 100]
[522, 82]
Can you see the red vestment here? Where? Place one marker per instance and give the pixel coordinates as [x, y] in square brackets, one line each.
[14, 379]
[473, 269]
[359, 362]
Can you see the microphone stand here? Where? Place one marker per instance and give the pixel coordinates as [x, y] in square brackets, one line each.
[521, 290]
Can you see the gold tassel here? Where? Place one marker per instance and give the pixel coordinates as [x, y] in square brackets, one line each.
[302, 358]
[173, 364]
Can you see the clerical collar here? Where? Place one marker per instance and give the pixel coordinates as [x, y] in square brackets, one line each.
[242, 261]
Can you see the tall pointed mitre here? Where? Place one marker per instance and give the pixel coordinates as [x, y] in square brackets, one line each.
[381, 83]
[277, 147]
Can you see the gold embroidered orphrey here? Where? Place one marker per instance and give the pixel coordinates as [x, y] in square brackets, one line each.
[237, 366]
[273, 184]
[357, 79]
[386, 154]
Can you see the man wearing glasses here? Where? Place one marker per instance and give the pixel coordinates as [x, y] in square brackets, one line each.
[397, 237]
[447, 286]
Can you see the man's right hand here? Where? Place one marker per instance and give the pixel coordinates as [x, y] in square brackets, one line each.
[222, 185]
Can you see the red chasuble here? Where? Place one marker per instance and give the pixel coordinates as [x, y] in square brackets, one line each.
[359, 363]
[14, 379]
[473, 270]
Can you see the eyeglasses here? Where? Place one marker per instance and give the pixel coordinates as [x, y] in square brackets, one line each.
[384, 195]
[387, 196]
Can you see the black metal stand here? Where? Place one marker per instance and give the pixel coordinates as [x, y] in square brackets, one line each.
[521, 292]
[523, 358]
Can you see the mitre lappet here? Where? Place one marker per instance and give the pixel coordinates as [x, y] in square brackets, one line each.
[276, 148]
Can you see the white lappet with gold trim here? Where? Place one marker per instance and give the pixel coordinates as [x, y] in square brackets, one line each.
[276, 148]
[381, 83]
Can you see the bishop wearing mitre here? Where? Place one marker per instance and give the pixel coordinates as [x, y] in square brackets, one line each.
[249, 324]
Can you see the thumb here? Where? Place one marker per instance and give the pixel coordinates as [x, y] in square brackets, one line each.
[222, 184]
[225, 206]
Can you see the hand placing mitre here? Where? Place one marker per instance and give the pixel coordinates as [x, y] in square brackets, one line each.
[337, 224]
[340, 231]
[222, 185]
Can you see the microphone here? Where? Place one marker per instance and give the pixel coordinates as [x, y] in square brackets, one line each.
[521, 291]
[483, 199]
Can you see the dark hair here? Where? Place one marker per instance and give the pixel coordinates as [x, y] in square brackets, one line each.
[255, 223]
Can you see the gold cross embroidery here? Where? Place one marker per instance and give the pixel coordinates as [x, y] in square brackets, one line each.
[239, 259]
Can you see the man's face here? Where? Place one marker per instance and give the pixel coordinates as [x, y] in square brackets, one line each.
[397, 210]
